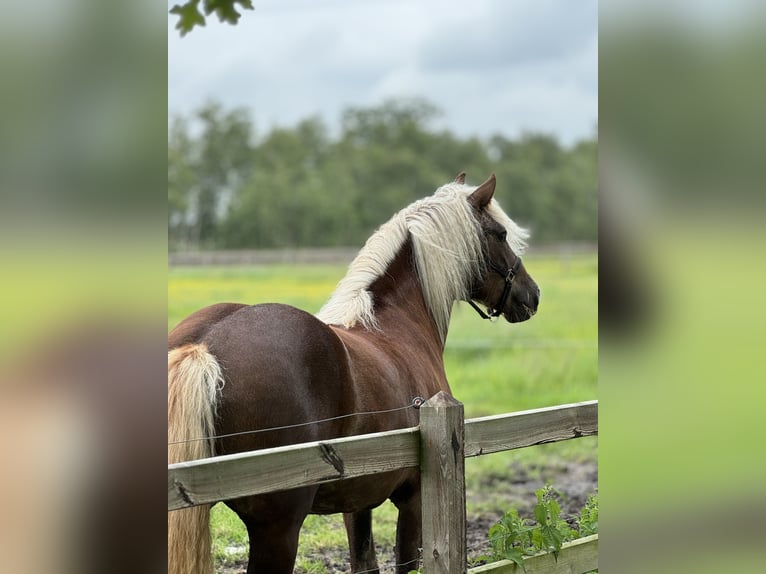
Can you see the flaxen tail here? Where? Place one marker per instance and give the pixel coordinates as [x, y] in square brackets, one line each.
[194, 383]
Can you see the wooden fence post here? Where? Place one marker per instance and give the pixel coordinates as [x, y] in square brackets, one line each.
[442, 478]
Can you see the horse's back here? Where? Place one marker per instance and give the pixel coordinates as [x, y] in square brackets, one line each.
[194, 327]
[281, 366]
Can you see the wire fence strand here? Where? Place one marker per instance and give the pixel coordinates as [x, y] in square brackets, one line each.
[416, 402]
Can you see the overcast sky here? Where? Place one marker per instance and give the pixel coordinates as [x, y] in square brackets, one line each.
[491, 66]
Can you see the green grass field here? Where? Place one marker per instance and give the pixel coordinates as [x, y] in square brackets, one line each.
[492, 368]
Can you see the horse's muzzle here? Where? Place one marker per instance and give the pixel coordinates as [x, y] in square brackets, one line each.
[525, 307]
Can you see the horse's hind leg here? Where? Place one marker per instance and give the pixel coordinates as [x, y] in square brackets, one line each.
[360, 542]
[273, 526]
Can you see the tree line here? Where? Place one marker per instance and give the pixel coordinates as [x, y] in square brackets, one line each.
[300, 186]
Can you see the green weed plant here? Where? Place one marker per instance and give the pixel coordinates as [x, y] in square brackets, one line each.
[514, 537]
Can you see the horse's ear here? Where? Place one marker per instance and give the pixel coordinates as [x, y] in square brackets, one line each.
[482, 195]
[460, 178]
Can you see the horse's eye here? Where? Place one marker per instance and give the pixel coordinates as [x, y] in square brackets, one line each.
[502, 236]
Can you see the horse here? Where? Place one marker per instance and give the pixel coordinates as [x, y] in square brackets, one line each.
[374, 346]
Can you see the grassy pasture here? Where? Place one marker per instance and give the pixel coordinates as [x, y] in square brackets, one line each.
[493, 368]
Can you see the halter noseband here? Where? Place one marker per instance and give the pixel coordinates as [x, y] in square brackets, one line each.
[509, 275]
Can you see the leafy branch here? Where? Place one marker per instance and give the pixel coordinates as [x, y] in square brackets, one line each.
[190, 15]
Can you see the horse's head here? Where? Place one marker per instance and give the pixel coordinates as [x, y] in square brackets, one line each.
[504, 285]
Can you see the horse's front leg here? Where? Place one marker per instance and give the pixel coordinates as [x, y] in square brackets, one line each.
[409, 531]
[360, 542]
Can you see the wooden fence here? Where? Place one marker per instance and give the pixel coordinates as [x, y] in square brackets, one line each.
[438, 445]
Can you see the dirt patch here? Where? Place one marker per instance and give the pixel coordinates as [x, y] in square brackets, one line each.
[495, 494]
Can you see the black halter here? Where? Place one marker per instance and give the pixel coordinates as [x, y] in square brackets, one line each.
[508, 275]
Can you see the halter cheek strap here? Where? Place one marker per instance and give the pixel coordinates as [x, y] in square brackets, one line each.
[509, 275]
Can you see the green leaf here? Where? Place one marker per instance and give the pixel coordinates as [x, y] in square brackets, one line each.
[552, 537]
[226, 9]
[506, 521]
[588, 528]
[554, 509]
[515, 555]
[189, 16]
[540, 514]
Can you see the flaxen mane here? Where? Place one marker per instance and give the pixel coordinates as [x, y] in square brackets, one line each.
[447, 245]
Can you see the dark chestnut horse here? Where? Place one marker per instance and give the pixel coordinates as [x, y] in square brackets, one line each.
[374, 346]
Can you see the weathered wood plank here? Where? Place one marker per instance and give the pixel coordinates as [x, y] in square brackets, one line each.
[443, 485]
[528, 428]
[231, 476]
[576, 557]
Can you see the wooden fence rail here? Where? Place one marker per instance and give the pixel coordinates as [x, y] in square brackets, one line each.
[230, 476]
[439, 446]
[579, 555]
